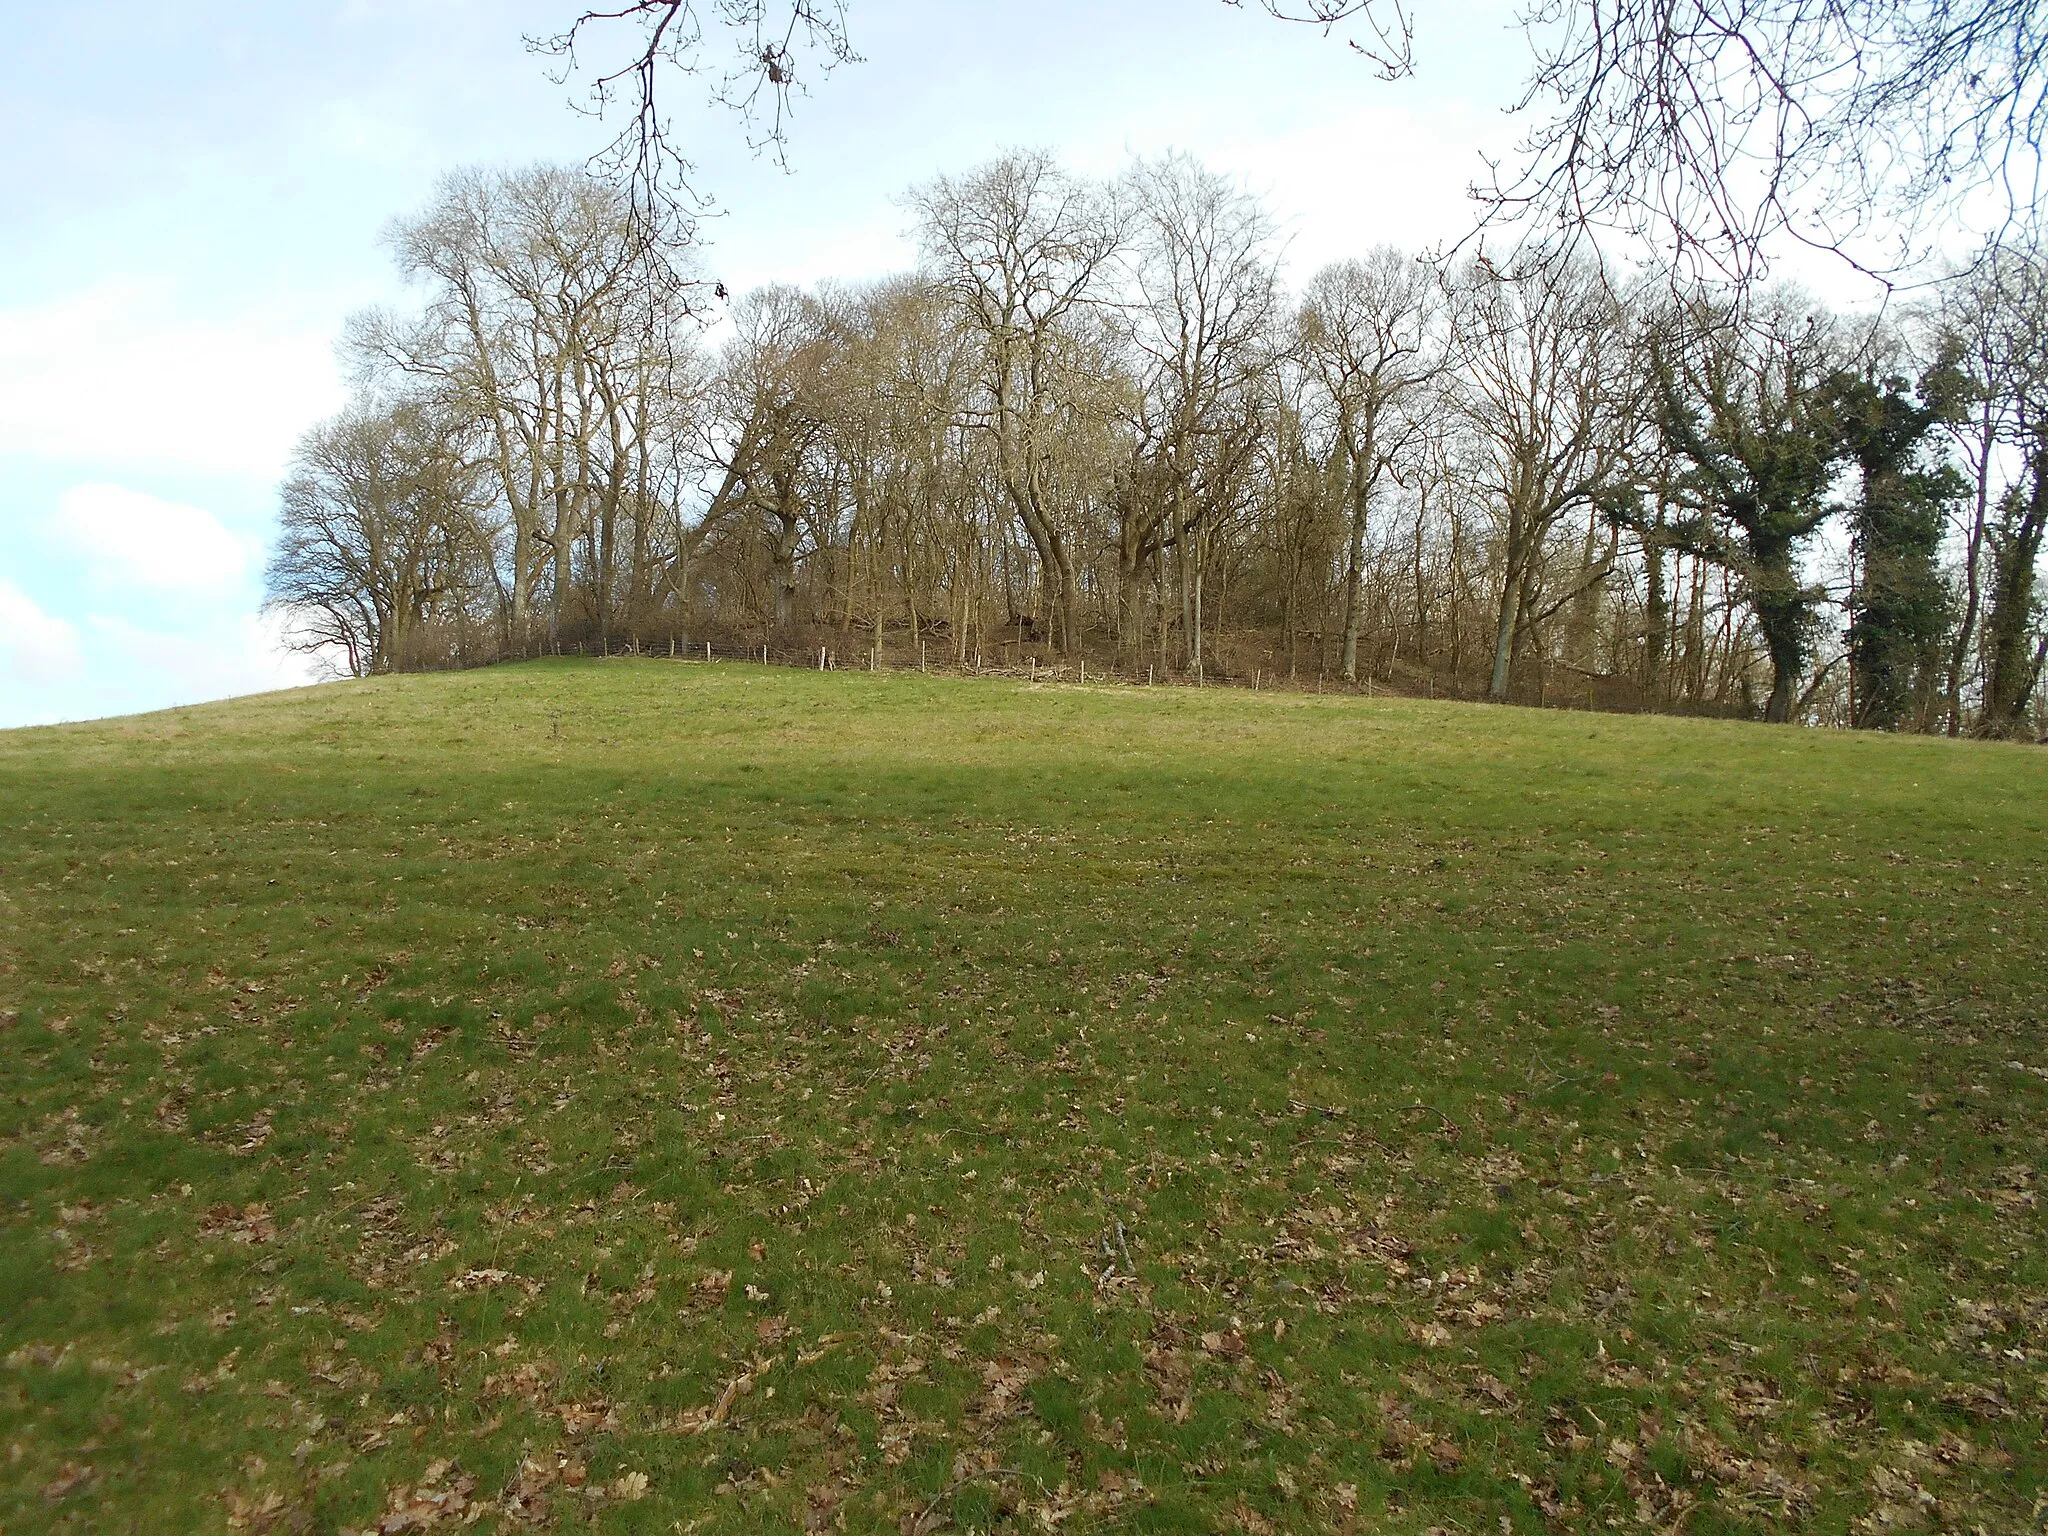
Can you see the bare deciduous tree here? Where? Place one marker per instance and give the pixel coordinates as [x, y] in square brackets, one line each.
[1200, 333]
[1543, 385]
[1365, 336]
[1021, 247]
[1089, 413]
[379, 535]
[552, 319]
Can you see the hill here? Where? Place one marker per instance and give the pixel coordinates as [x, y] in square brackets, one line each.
[697, 1097]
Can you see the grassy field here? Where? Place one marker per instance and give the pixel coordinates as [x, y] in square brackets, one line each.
[641, 1096]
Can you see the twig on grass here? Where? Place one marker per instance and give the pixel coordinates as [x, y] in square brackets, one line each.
[918, 1526]
[1449, 1124]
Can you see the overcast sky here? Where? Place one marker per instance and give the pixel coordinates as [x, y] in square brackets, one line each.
[196, 192]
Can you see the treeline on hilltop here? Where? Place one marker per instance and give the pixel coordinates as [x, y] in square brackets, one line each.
[1092, 424]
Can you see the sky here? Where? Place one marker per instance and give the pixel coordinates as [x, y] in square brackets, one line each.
[198, 191]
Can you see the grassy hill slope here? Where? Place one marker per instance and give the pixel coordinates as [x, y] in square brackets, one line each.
[653, 1097]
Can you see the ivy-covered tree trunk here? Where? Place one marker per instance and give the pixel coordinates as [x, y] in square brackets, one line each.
[1749, 421]
[1656, 613]
[1902, 610]
[2012, 666]
[1784, 613]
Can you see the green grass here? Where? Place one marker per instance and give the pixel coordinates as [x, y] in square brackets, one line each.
[648, 1097]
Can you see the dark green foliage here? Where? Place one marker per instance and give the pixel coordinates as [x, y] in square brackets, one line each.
[1902, 609]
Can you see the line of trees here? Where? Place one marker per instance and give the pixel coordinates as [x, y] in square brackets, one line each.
[1092, 422]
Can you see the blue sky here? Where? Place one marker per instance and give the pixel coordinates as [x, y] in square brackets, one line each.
[196, 193]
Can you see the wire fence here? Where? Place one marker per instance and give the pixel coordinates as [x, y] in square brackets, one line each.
[1388, 674]
[1020, 661]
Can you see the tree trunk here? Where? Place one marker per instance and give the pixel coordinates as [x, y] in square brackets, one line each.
[1656, 619]
[1421, 589]
[782, 568]
[1504, 635]
[2010, 671]
[1130, 617]
[564, 560]
[1783, 626]
[1973, 558]
[1354, 564]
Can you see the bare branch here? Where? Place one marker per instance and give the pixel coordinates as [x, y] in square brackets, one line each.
[772, 45]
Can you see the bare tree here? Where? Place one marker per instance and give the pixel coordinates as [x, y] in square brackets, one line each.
[1707, 127]
[549, 317]
[2001, 321]
[1022, 247]
[767, 416]
[1089, 408]
[1365, 336]
[1199, 329]
[1713, 126]
[378, 536]
[763, 49]
[1964, 333]
[1544, 386]
[901, 406]
[1710, 128]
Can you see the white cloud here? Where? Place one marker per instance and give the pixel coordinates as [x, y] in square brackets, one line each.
[34, 646]
[145, 541]
[245, 656]
[119, 373]
[106, 665]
